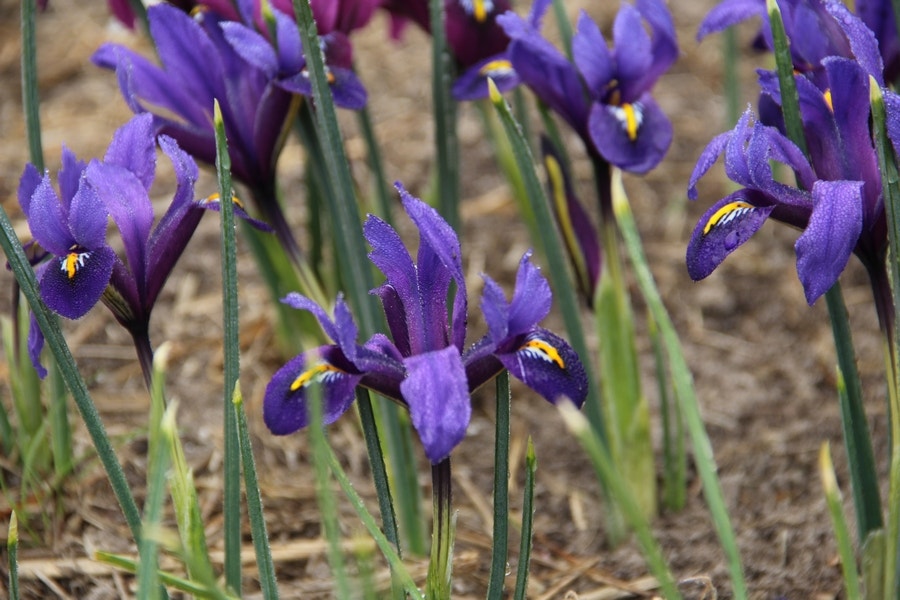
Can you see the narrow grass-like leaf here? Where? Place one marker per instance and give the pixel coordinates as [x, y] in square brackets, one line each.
[841, 531]
[50, 327]
[683, 384]
[325, 496]
[624, 498]
[440, 566]
[445, 137]
[407, 495]
[501, 490]
[790, 100]
[197, 590]
[564, 26]
[12, 555]
[732, 76]
[254, 503]
[527, 539]
[231, 347]
[553, 247]
[674, 493]
[386, 547]
[376, 166]
[60, 430]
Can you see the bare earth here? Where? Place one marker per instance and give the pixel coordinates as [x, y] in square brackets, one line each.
[762, 359]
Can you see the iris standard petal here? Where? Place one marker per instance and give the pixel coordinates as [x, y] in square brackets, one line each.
[301, 302]
[252, 47]
[721, 230]
[547, 364]
[437, 393]
[495, 310]
[47, 219]
[28, 184]
[69, 176]
[728, 13]
[631, 47]
[714, 149]
[591, 56]
[74, 282]
[831, 235]
[133, 148]
[285, 400]
[634, 137]
[531, 299]
[88, 218]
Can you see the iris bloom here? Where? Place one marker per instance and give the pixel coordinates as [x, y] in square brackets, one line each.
[425, 365]
[618, 118]
[839, 206]
[72, 228]
[257, 98]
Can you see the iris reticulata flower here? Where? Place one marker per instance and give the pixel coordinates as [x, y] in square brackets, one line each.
[619, 119]
[424, 364]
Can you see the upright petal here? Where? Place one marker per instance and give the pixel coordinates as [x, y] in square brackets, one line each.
[133, 148]
[436, 391]
[531, 299]
[47, 220]
[591, 56]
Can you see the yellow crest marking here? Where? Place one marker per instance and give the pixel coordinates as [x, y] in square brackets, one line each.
[500, 66]
[726, 214]
[73, 262]
[543, 350]
[316, 373]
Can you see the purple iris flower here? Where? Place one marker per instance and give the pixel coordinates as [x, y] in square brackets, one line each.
[817, 29]
[878, 15]
[605, 95]
[204, 59]
[424, 365]
[72, 228]
[839, 205]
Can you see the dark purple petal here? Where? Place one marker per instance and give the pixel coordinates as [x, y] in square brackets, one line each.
[547, 364]
[301, 302]
[252, 47]
[863, 44]
[707, 159]
[831, 235]
[74, 282]
[631, 47]
[728, 13]
[133, 148]
[531, 299]
[495, 309]
[35, 346]
[347, 90]
[665, 43]
[721, 230]
[472, 84]
[69, 177]
[591, 56]
[48, 221]
[437, 393]
[634, 137]
[284, 403]
[28, 184]
[88, 218]
[439, 238]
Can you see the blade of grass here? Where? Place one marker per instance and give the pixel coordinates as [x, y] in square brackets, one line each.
[527, 540]
[841, 531]
[231, 347]
[501, 490]
[60, 429]
[30, 97]
[683, 385]
[254, 503]
[129, 565]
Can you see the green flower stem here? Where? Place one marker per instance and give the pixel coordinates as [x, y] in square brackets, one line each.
[50, 327]
[447, 150]
[501, 490]
[527, 539]
[231, 346]
[30, 97]
[440, 567]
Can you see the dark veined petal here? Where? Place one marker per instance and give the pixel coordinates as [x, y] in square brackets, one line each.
[472, 84]
[634, 136]
[437, 393]
[547, 364]
[831, 235]
[74, 282]
[284, 403]
[721, 230]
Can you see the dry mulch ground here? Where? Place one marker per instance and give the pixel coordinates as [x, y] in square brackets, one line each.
[762, 360]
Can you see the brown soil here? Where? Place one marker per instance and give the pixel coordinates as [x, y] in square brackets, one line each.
[763, 360]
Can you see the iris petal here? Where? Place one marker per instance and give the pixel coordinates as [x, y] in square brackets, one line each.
[547, 364]
[73, 283]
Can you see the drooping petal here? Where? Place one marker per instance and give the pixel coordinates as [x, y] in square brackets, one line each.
[285, 400]
[74, 282]
[547, 364]
[831, 235]
[436, 391]
[472, 84]
[634, 137]
[721, 230]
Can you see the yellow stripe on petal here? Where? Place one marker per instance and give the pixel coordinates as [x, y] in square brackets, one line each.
[213, 198]
[314, 374]
[726, 214]
[828, 101]
[538, 348]
[496, 67]
[73, 262]
[630, 115]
